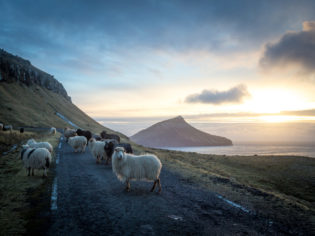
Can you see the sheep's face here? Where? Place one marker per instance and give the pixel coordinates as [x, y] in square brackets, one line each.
[120, 153]
[30, 141]
[92, 140]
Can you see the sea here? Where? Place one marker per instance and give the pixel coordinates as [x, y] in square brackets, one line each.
[297, 139]
[250, 149]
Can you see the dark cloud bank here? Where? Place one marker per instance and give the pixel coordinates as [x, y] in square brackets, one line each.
[233, 95]
[293, 48]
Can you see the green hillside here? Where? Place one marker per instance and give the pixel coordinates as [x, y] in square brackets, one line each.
[37, 106]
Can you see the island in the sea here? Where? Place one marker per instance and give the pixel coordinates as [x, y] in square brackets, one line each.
[176, 132]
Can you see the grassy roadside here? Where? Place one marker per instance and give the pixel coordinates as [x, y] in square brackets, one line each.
[17, 190]
[279, 187]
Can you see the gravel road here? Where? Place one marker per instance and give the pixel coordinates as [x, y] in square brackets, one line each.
[91, 201]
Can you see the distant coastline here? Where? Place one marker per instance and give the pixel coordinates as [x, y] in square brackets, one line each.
[306, 149]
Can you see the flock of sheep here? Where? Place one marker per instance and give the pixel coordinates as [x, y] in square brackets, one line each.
[126, 165]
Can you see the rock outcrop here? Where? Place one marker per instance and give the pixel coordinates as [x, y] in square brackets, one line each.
[14, 69]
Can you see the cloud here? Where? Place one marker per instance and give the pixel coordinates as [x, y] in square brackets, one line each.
[177, 25]
[233, 95]
[293, 49]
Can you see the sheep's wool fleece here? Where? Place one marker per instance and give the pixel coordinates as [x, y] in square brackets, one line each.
[143, 167]
[77, 141]
[37, 160]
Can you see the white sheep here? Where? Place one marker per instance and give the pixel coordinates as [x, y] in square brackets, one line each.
[69, 133]
[1, 126]
[97, 149]
[32, 143]
[78, 143]
[132, 167]
[35, 158]
[52, 131]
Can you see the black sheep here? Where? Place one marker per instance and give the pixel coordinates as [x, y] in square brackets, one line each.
[126, 146]
[22, 130]
[105, 135]
[85, 133]
[97, 137]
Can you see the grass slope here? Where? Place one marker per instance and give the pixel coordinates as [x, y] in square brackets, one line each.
[36, 106]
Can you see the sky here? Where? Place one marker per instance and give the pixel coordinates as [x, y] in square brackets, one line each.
[209, 61]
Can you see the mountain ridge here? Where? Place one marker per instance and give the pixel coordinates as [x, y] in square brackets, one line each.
[16, 69]
[176, 132]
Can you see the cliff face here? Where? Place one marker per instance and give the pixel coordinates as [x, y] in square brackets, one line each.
[17, 69]
[177, 132]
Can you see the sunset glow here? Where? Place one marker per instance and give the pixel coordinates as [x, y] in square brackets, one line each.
[158, 60]
[281, 118]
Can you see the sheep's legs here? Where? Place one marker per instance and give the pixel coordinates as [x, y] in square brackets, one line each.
[32, 172]
[127, 185]
[107, 160]
[29, 171]
[153, 187]
[45, 172]
[157, 182]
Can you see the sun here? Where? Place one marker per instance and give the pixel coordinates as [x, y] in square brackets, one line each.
[274, 101]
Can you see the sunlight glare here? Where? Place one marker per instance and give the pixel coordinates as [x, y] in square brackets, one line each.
[275, 101]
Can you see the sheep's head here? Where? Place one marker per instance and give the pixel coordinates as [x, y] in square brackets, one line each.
[119, 153]
[92, 140]
[30, 141]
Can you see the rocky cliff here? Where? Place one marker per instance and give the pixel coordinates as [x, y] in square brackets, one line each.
[177, 132]
[16, 69]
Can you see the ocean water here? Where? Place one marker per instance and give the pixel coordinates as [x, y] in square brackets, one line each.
[295, 138]
[294, 149]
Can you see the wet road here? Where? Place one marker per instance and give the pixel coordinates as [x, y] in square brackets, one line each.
[89, 200]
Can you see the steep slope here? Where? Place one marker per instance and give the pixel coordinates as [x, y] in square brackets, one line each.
[177, 132]
[16, 69]
[31, 97]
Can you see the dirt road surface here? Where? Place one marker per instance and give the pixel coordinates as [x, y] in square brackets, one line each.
[89, 200]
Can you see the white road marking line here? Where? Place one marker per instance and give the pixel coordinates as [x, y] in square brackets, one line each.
[233, 203]
[57, 159]
[54, 195]
[174, 217]
[54, 192]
